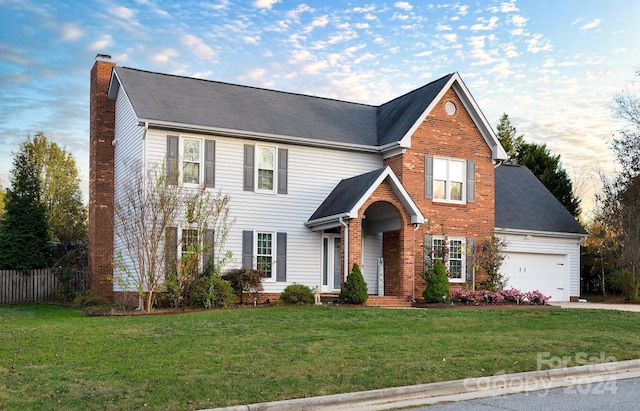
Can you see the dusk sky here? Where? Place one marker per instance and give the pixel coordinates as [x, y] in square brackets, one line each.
[552, 65]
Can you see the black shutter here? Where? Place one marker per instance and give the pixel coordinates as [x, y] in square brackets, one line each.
[428, 248]
[170, 249]
[209, 247]
[469, 258]
[210, 163]
[247, 249]
[428, 176]
[249, 162]
[281, 257]
[471, 181]
[283, 165]
[172, 159]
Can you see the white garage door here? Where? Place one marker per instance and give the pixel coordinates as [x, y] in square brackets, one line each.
[545, 272]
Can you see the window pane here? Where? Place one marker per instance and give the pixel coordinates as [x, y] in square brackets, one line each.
[456, 170]
[264, 243]
[264, 253]
[265, 160]
[439, 169]
[456, 249]
[456, 191]
[455, 269]
[191, 172]
[191, 150]
[265, 179]
[189, 240]
[264, 264]
[439, 190]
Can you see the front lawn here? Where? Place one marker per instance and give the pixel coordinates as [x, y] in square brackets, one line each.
[56, 358]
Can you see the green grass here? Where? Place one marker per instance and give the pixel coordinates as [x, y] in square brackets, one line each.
[56, 358]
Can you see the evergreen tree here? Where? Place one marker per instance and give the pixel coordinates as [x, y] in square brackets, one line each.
[508, 137]
[355, 288]
[24, 230]
[547, 167]
[437, 289]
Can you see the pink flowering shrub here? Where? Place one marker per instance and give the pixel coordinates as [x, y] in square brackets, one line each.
[504, 296]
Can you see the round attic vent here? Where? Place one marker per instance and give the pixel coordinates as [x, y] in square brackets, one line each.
[450, 108]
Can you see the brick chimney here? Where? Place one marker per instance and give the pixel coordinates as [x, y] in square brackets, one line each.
[101, 163]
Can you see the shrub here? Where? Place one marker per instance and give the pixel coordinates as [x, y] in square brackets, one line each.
[489, 256]
[211, 292]
[70, 269]
[244, 281]
[89, 298]
[297, 294]
[355, 289]
[437, 288]
[628, 283]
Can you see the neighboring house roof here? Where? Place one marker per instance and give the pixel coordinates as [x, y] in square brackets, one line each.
[195, 104]
[349, 195]
[524, 203]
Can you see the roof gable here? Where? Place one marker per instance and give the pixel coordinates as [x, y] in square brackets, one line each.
[350, 194]
[524, 203]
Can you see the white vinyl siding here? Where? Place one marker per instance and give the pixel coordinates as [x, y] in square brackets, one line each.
[128, 150]
[371, 251]
[312, 174]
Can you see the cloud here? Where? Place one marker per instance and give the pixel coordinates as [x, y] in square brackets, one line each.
[484, 24]
[164, 56]
[450, 37]
[505, 8]
[442, 27]
[102, 43]
[366, 9]
[122, 12]
[403, 5]
[71, 32]
[265, 4]
[198, 47]
[295, 13]
[518, 20]
[463, 10]
[318, 22]
[537, 44]
[424, 54]
[591, 25]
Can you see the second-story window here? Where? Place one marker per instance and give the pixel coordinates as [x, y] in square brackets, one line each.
[191, 161]
[266, 167]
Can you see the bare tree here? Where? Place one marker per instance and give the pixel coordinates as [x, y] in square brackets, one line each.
[148, 208]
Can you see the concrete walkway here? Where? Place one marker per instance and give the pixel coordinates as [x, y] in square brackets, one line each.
[598, 306]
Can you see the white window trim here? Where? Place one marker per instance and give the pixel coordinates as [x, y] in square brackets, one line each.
[463, 268]
[200, 141]
[273, 253]
[180, 242]
[448, 181]
[274, 188]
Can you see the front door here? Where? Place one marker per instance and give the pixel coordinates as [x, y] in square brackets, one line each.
[330, 263]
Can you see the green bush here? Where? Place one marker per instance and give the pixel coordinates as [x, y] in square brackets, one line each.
[89, 298]
[297, 294]
[355, 289]
[211, 292]
[628, 283]
[437, 284]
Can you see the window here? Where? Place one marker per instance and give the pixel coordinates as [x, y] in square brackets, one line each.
[189, 241]
[191, 160]
[266, 167]
[448, 179]
[453, 252]
[264, 253]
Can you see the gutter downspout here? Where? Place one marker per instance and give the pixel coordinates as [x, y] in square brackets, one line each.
[346, 248]
[144, 168]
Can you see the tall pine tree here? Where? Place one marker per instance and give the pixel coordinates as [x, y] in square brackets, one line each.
[24, 229]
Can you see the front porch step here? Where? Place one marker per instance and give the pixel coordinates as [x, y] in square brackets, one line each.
[387, 301]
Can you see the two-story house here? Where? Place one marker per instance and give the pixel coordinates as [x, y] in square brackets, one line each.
[318, 184]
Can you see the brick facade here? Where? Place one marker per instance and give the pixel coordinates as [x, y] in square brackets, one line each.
[454, 136]
[101, 163]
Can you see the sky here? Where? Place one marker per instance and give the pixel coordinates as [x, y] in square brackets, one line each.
[552, 65]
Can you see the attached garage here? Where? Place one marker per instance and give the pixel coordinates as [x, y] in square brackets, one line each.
[542, 238]
[547, 273]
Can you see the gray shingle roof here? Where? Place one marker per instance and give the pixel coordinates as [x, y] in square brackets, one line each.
[195, 102]
[346, 194]
[524, 203]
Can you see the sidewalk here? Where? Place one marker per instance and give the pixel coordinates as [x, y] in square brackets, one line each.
[598, 306]
[426, 394]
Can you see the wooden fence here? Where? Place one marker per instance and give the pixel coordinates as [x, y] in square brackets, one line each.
[34, 286]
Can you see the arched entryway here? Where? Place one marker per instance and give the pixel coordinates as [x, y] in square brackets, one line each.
[381, 226]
